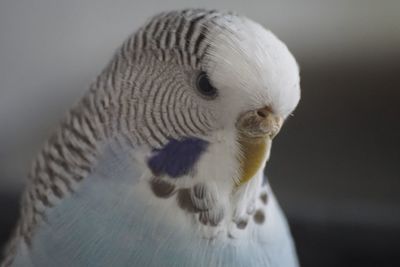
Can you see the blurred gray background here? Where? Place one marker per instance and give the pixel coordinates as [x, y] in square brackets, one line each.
[334, 167]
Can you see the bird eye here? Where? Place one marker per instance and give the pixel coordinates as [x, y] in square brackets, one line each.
[204, 86]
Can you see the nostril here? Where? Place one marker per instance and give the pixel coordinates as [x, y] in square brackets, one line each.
[262, 113]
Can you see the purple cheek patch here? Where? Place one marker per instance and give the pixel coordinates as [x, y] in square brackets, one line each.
[177, 157]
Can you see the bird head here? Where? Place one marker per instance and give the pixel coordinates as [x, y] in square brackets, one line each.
[194, 72]
[202, 75]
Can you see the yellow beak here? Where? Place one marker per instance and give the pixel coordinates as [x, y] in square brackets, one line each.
[256, 129]
[253, 153]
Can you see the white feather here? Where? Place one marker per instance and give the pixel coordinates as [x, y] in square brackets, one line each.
[252, 68]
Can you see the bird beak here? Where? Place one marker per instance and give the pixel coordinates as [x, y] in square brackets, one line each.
[256, 129]
[259, 123]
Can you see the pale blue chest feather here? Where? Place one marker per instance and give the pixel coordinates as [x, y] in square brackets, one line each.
[108, 222]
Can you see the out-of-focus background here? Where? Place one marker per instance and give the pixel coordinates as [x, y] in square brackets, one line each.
[335, 165]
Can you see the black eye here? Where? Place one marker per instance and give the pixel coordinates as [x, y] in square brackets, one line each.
[204, 86]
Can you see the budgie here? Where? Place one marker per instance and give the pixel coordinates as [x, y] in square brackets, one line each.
[161, 161]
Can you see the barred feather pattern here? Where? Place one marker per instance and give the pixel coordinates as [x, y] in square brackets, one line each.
[138, 97]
